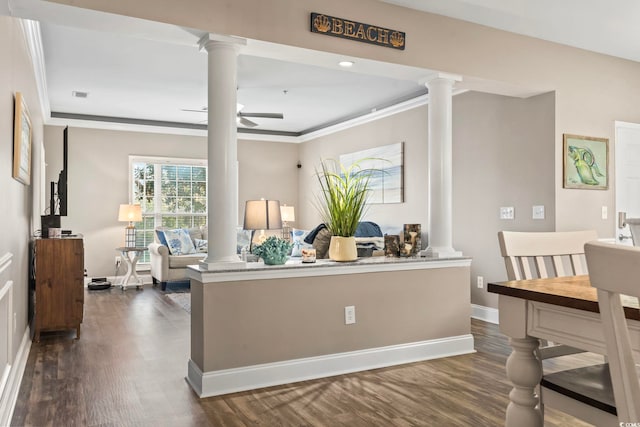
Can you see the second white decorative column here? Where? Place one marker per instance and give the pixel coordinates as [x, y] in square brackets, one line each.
[222, 150]
[440, 199]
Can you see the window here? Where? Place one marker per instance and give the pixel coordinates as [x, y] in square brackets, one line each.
[171, 192]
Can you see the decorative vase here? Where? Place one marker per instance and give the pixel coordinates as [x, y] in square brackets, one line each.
[275, 259]
[343, 249]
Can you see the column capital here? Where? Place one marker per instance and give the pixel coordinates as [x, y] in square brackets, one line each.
[209, 40]
[440, 76]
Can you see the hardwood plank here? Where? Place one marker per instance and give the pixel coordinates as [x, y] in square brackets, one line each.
[129, 366]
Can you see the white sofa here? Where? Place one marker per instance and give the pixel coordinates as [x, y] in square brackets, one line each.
[168, 268]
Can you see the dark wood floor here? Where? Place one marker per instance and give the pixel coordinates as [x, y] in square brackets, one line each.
[129, 366]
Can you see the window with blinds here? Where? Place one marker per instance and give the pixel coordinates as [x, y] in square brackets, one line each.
[172, 193]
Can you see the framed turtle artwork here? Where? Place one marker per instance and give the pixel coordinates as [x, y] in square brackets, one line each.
[586, 162]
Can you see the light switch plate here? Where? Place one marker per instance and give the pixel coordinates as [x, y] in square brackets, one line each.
[507, 212]
[605, 212]
[538, 212]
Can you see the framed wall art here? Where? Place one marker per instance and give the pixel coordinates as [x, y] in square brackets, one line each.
[21, 141]
[586, 162]
[387, 184]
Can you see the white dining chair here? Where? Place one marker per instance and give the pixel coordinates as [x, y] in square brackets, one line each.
[634, 228]
[540, 255]
[532, 255]
[615, 270]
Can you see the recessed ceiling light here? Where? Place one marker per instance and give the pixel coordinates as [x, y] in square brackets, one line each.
[346, 64]
[79, 94]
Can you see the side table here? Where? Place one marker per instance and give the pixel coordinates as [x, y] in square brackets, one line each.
[130, 255]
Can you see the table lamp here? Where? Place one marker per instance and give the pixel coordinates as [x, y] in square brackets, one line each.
[262, 215]
[288, 215]
[131, 214]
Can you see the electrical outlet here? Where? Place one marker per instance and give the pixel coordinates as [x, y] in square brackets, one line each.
[605, 212]
[480, 282]
[350, 315]
[118, 261]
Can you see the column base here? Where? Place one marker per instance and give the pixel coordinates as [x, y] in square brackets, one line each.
[222, 264]
[441, 252]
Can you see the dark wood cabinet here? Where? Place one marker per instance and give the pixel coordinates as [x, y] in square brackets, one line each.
[58, 292]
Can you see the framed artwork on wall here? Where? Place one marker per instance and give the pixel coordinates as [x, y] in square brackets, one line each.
[586, 162]
[387, 184]
[21, 141]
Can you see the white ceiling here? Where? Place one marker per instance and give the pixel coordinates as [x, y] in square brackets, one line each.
[150, 71]
[146, 79]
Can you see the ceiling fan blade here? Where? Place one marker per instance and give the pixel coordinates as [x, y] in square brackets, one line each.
[248, 123]
[262, 115]
[194, 110]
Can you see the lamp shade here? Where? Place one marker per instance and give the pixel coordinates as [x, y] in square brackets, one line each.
[262, 215]
[130, 213]
[287, 213]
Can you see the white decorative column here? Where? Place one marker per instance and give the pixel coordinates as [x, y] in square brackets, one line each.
[222, 150]
[440, 199]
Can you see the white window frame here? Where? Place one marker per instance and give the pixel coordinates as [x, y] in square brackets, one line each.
[158, 162]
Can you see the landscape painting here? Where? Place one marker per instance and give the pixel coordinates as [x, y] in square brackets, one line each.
[387, 183]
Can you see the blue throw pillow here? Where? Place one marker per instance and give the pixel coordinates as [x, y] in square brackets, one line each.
[161, 238]
[368, 229]
[179, 242]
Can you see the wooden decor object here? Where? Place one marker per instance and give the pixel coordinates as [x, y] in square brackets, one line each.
[59, 289]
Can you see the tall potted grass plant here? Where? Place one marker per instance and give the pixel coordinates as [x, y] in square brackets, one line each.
[342, 203]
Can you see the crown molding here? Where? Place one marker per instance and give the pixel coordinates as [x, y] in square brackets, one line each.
[31, 31]
[367, 118]
[375, 115]
[132, 125]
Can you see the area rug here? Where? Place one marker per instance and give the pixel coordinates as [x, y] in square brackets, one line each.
[178, 286]
[183, 299]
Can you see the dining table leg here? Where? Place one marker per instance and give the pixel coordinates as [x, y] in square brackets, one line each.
[524, 371]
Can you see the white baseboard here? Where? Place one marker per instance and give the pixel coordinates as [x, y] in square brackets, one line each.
[225, 381]
[12, 388]
[487, 314]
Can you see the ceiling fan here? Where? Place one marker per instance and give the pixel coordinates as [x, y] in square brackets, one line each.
[242, 117]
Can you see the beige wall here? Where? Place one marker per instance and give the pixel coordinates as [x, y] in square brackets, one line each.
[592, 90]
[16, 75]
[98, 179]
[290, 318]
[503, 151]
[268, 169]
[409, 127]
[503, 155]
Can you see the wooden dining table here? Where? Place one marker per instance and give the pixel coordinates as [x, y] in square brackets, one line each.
[563, 310]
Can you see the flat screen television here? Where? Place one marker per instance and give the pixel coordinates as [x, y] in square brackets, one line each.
[58, 196]
[62, 178]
